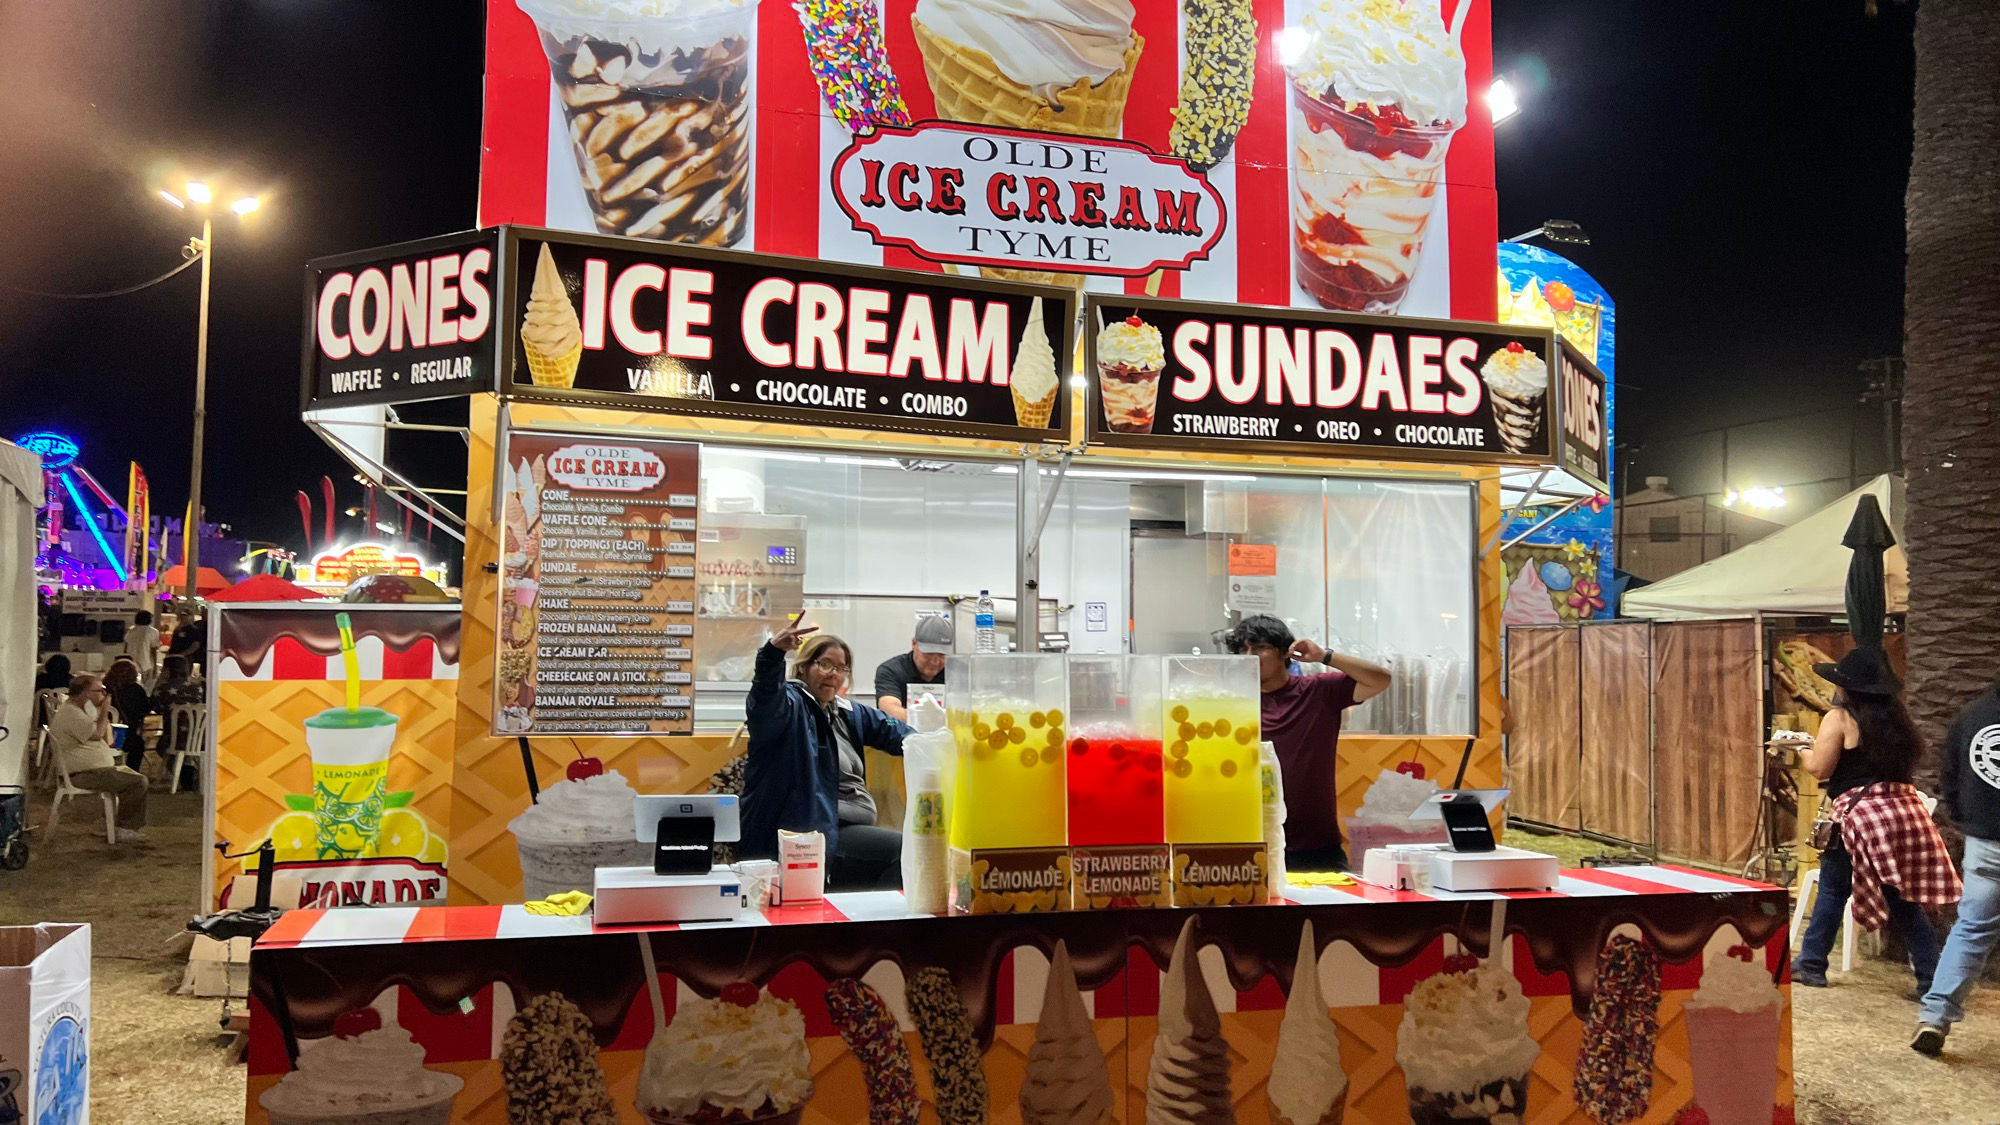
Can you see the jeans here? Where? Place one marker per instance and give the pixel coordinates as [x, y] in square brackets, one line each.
[866, 858]
[1836, 886]
[1972, 939]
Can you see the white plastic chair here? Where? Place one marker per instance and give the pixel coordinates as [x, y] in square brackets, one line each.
[1808, 891]
[64, 791]
[187, 728]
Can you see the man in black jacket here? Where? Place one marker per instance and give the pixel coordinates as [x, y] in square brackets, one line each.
[1969, 784]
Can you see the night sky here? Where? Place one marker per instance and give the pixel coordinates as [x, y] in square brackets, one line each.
[1738, 164]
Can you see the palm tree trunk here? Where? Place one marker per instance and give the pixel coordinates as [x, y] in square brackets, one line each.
[1951, 446]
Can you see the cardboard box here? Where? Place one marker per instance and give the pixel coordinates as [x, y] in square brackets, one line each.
[1220, 875]
[1010, 880]
[1125, 876]
[45, 1022]
[217, 968]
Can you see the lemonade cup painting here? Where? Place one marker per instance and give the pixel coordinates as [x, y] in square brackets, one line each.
[350, 779]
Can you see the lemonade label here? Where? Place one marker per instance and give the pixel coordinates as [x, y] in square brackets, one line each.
[1010, 880]
[1130, 876]
[1220, 875]
[348, 802]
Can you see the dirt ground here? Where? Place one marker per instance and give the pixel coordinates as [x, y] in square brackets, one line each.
[161, 1059]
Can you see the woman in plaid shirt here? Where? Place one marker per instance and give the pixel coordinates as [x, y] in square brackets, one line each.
[1890, 859]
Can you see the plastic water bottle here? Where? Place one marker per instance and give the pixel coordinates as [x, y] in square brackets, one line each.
[984, 640]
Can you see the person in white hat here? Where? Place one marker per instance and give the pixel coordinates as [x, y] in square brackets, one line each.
[923, 664]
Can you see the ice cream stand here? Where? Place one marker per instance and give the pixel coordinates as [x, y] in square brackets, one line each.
[811, 398]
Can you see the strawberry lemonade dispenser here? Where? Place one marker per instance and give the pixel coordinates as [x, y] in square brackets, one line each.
[1117, 782]
[1214, 796]
[1009, 715]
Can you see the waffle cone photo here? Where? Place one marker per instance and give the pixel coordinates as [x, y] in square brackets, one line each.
[1334, 1115]
[1033, 414]
[969, 86]
[552, 371]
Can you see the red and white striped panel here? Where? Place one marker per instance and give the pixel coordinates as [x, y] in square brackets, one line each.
[290, 660]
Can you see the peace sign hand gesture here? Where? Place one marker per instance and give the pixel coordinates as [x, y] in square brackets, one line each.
[788, 638]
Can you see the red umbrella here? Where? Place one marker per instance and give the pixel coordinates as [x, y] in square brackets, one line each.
[264, 588]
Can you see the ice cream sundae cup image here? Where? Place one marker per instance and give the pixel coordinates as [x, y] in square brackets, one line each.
[1066, 1082]
[1733, 1024]
[739, 1058]
[1517, 383]
[551, 334]
[1055, 68]
[1034, 379]
[656, 94]
[574, 829]
[1130, 357]
[375, 1077]
[350, 778]
[1377, 93]
[1307, 1086]
[1187, 1082]
[1465, 1048]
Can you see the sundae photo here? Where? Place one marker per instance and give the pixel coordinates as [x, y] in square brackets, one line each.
[1465, 1047]
[366, 1074]
[1517, 382]
[1377, 92]
[740, 1057]
[656, 94]
[1130, 357]
[577, 826]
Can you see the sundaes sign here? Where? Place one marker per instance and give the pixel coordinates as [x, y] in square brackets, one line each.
[402, 323]
[690, 331]
[1176, 374]
[998, 197]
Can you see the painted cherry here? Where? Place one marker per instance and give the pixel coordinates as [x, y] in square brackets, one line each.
[584, 767]
[741, 993]
[1460, 963]
[357, 1022]
[1691, 1114]
[1414, 769]
[1742, 953]
[1134, 321]
[1515, 347]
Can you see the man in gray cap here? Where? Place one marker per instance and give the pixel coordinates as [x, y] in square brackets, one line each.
[923, 664]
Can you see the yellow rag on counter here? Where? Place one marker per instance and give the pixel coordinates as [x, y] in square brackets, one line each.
[1320, 878]
[566, 903]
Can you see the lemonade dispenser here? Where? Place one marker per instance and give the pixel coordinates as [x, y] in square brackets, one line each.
[1009, 716]
[1115, 764]
[1210, 727]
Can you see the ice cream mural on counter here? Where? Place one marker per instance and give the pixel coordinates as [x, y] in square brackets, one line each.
[597, 587]
[352, 791]
[1322, 153]
[1177, 375]
[1435, 1013]
[748, 336]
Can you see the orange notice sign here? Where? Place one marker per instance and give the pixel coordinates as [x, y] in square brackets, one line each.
[1253, 560]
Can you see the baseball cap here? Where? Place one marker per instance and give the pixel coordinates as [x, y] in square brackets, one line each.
[934, 635]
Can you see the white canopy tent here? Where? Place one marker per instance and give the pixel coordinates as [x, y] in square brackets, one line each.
[1801, 569]
[21, 490]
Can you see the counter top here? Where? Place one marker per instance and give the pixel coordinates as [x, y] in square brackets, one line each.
[400, 925]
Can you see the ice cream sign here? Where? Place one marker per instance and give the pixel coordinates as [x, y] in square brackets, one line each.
[659, 327]
[401, 323]
[992, 197]
[1179, 375]
[1584, 430]
[606, 468]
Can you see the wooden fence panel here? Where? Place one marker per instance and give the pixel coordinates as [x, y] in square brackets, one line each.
[1708, 736]
[1542, 760]
[1617, 765]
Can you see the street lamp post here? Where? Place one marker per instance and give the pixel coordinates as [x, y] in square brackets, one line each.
[201, 196]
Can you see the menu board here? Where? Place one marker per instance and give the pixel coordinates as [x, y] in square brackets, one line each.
[1189, 376]
[597, 586]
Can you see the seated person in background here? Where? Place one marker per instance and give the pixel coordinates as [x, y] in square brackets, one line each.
[923, 664]
[805, 770]
[54, 675]
[133, 704]
[176, 687]
[81, 735]
[1301, 717]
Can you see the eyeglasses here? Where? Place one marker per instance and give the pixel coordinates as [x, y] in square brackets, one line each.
[836, 669]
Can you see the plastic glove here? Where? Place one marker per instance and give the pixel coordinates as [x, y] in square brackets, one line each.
[1320, 878]
[568, 903]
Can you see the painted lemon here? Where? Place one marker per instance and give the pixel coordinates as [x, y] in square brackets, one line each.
[434, 851]
[295, 836]
[343, 841]
[403, 834]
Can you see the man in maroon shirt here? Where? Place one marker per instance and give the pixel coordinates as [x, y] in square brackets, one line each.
[1301, 718]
